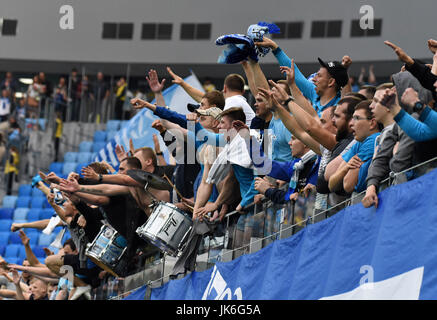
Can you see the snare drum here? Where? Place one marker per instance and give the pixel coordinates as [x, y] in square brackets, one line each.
[107, 249]
[167, 228]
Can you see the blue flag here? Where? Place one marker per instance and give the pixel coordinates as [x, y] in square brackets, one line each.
[359, 253]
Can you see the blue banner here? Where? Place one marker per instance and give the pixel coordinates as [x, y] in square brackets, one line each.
[138, 294]
[359, 253]
[139, 127]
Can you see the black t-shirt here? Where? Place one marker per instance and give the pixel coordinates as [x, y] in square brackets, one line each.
[115, 213]
[161, 170]
[124, 215]
[93, 217]
[322, 184]
[184, 174]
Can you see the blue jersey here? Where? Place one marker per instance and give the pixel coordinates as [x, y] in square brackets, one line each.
[307, 87]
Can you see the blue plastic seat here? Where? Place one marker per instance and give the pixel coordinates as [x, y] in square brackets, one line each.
[44, 239]
[97, 146]
[99, 136]
[70, 156]
[4, 238]
[80, 166]
[33, 214]
[124, 124]
[67, 236]
[46, 214]
[5, 225]
[85, 146]
[2, 249]
[37, 193]
[110, 135]
[46, 204]
[13, 260]
[69, 167]
[24, 190]
[14, 238]
[37, 202]
[113, 125]
[56, 167]
[6, 213]
[21, 213]
[22, 252]
[38, 251]
[23, 202]
[12, 250]
[10, 201]
[83, 157]
[33, 238]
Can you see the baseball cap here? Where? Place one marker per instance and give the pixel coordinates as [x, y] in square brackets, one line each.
[213, 112]
[192, 107]
[337, 71]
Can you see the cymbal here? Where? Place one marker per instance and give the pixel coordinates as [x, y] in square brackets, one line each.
[151, 179]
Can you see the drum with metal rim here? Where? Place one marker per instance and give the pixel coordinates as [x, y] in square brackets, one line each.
[107, 249]
[167, 228]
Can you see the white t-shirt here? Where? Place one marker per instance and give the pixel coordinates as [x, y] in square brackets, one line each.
[5, 106]
[240, 101]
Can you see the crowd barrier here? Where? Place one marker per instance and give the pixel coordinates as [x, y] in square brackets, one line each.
[269, 223]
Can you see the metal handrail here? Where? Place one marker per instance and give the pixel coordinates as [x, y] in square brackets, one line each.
[303, 223]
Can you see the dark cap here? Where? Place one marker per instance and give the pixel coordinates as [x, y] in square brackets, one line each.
[192, 107]
[337, 71]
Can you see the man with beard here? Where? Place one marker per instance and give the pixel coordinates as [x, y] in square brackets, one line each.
[325, 89]
[327, 136]
[352, 171]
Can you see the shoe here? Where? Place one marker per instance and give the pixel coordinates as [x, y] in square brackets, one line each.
[80, 291]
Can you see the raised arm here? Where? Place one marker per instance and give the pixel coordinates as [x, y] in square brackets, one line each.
[156, 86]
[40, 225]
[116, 179]
[289, 120]
[17, 279]
[346, 62]
[100, 189]
[258, 75]
[299, 98]
[204, 192]
[30, 256]
[92, 199]
[372, 77]
[42, 271]
[250, 77]
[159, 154]
[432, 45]
[305, 85]
[415, 129]
[194, 93]
[59, 210]
[310, 124]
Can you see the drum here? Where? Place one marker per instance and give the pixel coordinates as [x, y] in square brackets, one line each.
[107, 249]
[167, 228]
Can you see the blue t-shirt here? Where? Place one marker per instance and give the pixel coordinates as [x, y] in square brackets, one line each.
[280, 137]
[364, 150]
[307, 87]
[196, 184]
[246, 179]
